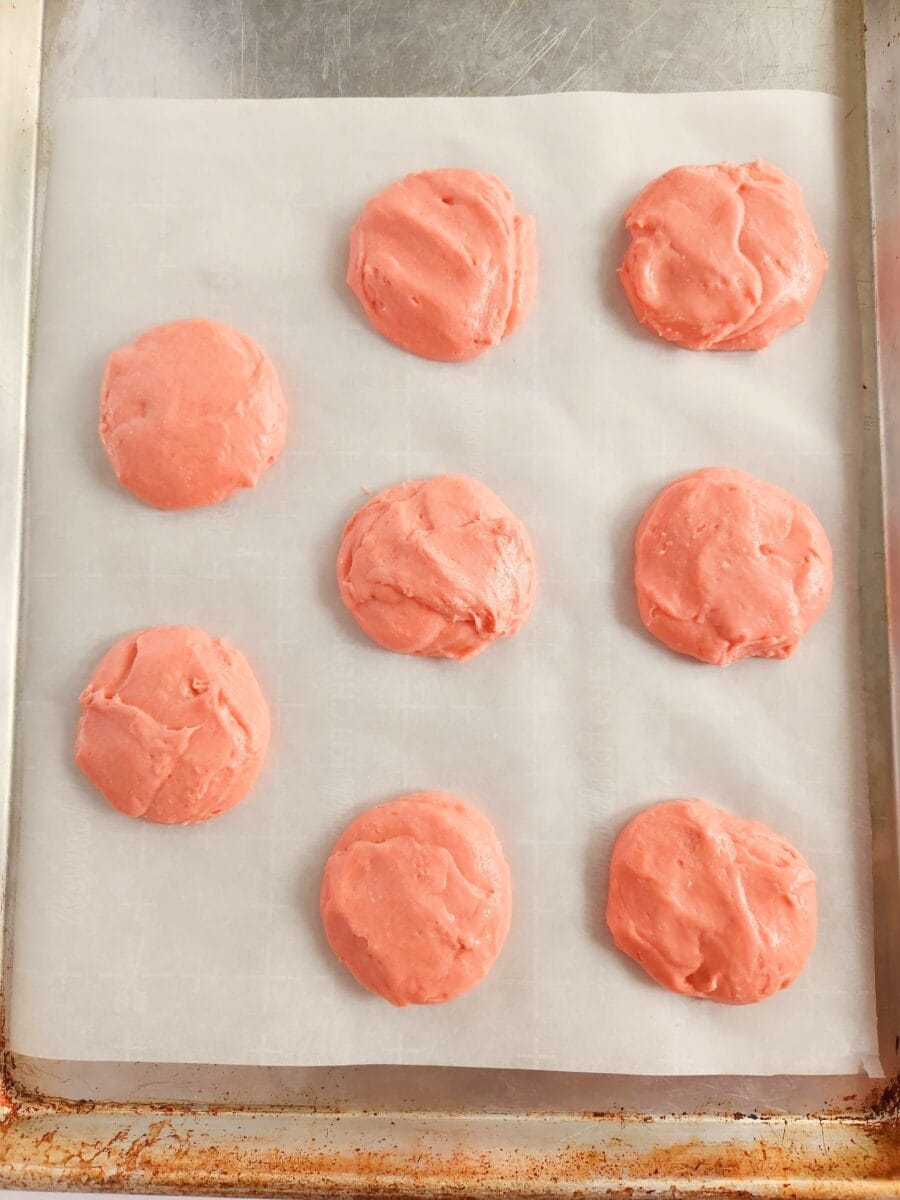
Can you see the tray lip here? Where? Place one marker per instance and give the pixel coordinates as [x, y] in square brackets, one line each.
[214, 1151]
[131, 1146]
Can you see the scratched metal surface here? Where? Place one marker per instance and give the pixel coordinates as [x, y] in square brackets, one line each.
[280, 48]
[441, 47]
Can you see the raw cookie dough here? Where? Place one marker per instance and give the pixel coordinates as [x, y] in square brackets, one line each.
[173, 726]
[729, 567]
[443, 264]
[722, 257]
[416, 898]
[709, 904]
[191, 413]
[440, 567]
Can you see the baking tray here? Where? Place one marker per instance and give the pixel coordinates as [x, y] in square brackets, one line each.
[401, 1130]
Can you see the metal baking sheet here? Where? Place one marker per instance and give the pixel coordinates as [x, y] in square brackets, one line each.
[393, 1129]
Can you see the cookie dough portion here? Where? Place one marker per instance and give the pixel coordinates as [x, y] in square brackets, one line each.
[722, 257]
[174, 727]
[443, 264]
[709, 904]
[439, 567]
[728, 567]
[191, 413]
[416, 898]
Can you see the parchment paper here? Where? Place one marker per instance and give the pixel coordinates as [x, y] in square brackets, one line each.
[141, 942]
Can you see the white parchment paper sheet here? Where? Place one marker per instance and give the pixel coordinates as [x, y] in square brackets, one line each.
[140, 942]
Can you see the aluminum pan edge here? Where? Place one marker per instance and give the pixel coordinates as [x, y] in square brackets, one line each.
[282, 1153]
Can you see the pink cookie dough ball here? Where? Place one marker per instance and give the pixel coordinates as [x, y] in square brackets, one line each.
[722, 257]
[190, 413]
[442, 263]
[439, 567]
[709, 904]
[174, 727]
[416, 898]
[729, 567]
